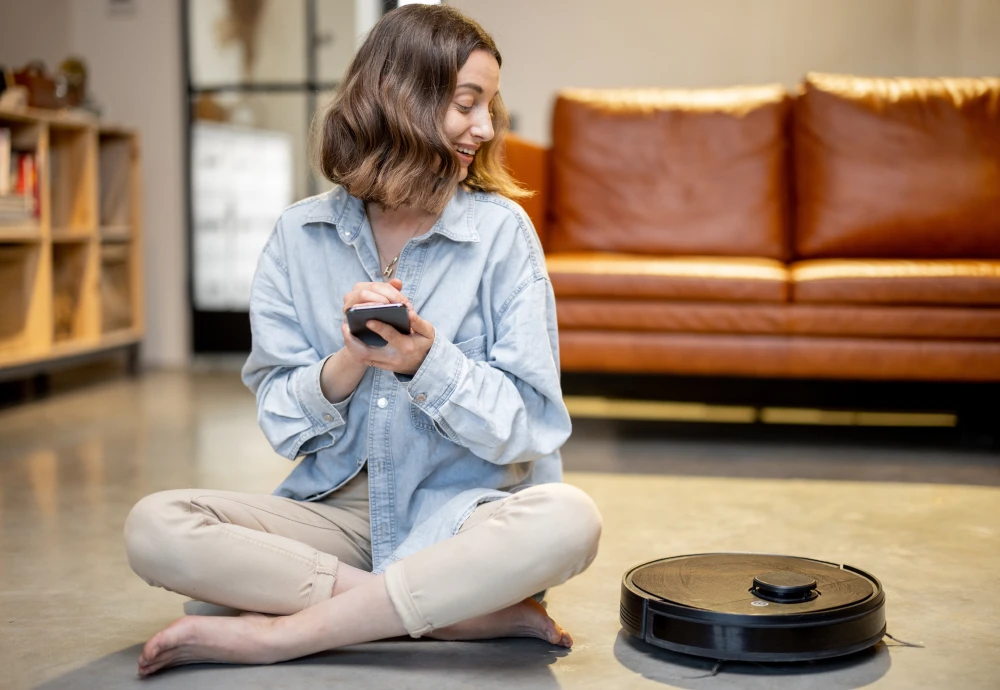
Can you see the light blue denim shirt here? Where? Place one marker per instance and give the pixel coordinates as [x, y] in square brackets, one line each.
[481, 418]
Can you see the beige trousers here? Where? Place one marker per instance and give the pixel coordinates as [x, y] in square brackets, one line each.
[276, 555]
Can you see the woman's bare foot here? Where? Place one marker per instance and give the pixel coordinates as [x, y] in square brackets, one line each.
[244, 639]
[526, 619]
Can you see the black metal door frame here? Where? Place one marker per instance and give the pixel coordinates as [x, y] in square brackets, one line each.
[229, 331]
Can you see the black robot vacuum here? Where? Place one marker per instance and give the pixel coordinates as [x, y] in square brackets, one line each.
[753, 607]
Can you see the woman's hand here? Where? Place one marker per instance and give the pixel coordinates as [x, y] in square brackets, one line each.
[403, 355]
[376, 293]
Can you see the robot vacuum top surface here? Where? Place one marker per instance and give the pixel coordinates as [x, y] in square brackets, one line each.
[749, 584]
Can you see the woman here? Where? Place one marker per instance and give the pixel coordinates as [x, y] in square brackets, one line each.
[428, 499]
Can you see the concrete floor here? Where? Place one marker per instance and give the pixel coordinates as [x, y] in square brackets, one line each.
[72, 615]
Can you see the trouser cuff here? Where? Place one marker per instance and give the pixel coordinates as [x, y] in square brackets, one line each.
[402, 600]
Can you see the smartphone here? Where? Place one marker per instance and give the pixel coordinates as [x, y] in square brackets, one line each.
[396, 315]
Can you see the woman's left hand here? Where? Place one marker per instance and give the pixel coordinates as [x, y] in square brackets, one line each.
[403, 355]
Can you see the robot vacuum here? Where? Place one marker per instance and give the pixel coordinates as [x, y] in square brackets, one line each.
[753, 607]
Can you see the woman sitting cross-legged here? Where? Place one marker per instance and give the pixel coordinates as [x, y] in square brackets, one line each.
[428, 501]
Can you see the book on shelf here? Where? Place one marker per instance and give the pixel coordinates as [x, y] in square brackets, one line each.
[19, 187]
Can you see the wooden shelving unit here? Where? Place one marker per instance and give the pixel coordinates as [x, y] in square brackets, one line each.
[71, 280]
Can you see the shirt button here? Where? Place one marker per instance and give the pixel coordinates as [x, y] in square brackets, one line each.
[328, 417]
[420, 397]
[382, 402]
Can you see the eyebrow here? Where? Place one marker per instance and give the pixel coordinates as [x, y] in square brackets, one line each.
[475, 87]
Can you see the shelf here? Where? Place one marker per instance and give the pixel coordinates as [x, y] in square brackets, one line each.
[71, 234]
[71, 177]
[117, 298]
[71, 279]
[20, 233]
[22, 358]
[116, 233]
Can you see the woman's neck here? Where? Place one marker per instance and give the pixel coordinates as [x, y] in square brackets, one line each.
[402, 219]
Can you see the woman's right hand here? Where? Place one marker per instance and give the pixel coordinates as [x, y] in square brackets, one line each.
[376, 293]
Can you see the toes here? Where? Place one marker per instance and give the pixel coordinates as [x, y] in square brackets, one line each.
[150, 651]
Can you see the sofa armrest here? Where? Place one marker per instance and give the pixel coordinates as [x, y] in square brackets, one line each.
[529, 164]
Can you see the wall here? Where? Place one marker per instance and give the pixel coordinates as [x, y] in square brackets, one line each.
[135, 64]
[18, 46]
[687, 43]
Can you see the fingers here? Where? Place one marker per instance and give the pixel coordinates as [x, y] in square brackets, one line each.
[353, 299]
[377, 293]
[391, 335]
[358, 351]
[420, 326]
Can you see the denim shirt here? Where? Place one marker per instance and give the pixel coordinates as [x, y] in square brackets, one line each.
[481, 418]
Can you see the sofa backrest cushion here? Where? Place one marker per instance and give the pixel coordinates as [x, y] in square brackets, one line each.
[897, 168]
[668, 172]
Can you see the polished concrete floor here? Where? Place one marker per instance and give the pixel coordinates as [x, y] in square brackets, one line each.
[917, 510]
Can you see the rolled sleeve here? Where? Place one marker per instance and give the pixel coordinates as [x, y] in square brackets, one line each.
[432, 385]
[324, 414]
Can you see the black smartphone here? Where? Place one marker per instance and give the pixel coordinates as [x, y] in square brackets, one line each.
[396, 315]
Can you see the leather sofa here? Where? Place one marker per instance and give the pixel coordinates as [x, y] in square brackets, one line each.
[847, 231]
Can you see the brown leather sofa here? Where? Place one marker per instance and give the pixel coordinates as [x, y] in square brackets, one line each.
[849, 231]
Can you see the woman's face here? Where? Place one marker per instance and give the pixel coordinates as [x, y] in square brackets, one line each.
[469, 121]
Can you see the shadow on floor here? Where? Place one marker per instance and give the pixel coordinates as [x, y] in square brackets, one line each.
[779, 452]
[683, 671]
[499, 664]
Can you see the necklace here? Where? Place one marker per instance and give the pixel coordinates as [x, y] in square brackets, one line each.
[391, 266]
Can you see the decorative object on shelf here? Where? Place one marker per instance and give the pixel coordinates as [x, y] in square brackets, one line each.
[71, 82]
[40, 84]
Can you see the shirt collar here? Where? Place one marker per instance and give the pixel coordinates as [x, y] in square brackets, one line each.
[347, 214]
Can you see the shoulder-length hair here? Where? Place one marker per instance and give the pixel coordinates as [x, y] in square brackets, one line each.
[382, 136]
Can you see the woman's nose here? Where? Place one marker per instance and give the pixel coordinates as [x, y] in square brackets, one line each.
[482, 128]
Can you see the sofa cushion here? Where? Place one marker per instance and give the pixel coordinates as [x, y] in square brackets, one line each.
[846, 281]
[656, 171]
[588, 274]
[779, 356]
[825, 320]
[897, 168]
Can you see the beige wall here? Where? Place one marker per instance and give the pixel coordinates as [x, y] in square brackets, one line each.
[552, 44]
[18, 46]
[135, 63]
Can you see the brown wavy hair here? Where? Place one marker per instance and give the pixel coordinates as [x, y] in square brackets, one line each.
[382, 136]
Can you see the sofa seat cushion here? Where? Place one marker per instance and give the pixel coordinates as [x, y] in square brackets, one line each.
[821, 320]
[872, 281]
[624, 276]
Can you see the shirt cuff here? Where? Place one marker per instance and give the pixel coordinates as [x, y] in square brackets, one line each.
[323, 414]
[437, 377]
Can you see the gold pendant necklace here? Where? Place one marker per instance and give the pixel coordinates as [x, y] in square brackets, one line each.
[387, 273]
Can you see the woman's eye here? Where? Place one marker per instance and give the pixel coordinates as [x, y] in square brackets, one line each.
[463, 108]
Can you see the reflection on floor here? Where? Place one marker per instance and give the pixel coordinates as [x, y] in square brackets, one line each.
[915, 508]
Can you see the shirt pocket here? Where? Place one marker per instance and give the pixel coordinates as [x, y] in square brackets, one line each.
[474, 349]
